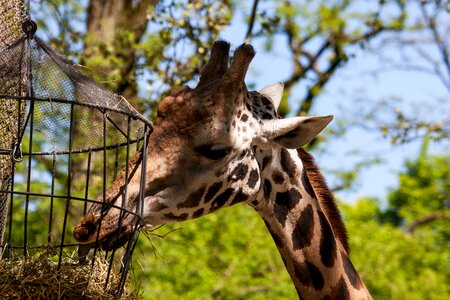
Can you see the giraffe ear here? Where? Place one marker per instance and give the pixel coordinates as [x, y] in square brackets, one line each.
[274, 92]
[293, 132]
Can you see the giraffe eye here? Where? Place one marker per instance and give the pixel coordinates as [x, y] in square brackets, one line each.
[213, 152]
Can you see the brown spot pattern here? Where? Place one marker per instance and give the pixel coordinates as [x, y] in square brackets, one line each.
[156, 206]
[307, 185]
[221, 199]
[325, 197]
[267, 188]
[212, 191]
[198, 213]
[194, 199]
[238, 172]
[253, 178]
[349, 269]
[309, 275]
[239, 197]
[265, 162]
[328, 250]
[287, 164]
[181, 217]
[338, 292]
[277, 177]
[266, 101]
[284, 202]
[302, 234]
[278, 242]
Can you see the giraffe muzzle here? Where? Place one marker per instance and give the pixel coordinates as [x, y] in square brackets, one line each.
[92, 228]
[85, 231]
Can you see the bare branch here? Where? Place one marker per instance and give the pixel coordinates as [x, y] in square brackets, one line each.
[339, 57]
[440, 43]
[438, 39]
[248, 35]
[426, 219]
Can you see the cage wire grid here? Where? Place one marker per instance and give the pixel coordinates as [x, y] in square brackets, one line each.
[63, 140]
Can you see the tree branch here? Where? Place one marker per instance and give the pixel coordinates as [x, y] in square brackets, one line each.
[440, 43]
[340, 56]
[248, 35]
[113, 21]
[426, 219]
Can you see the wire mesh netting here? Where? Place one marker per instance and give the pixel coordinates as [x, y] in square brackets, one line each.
[63, 140]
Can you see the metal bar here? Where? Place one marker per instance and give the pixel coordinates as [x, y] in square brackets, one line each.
[18, 140]
[126, 262]
[11, 208]
[88, 175]
[116, 126]
[52, 192]
[29, 81]
[124, 195]
[140, 206]
[44, 246]
[104, 191]
[8, 151]
[72, 198]
[69, 183]
[116, 163]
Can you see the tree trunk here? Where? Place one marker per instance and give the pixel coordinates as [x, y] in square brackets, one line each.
[113, 29]
[12, 14]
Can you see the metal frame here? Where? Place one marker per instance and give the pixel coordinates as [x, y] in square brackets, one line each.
[30, 158]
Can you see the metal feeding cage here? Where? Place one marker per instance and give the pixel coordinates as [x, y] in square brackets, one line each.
[63, 139]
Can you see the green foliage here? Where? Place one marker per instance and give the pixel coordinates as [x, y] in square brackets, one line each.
[226, 255]
[395, 265]
[403, 250]
[230, 255]
[424, 188]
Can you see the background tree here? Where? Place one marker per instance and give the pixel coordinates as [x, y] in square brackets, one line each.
[411, 233]
[143, 49]
[10, 30]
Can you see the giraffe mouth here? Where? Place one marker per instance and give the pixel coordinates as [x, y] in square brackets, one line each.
[91, 232]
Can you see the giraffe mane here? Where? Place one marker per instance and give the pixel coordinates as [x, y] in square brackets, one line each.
[325, 197]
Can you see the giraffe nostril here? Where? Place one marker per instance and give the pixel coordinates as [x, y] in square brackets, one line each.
[85, 229]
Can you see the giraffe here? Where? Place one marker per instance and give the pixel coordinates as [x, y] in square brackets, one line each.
[218, 145]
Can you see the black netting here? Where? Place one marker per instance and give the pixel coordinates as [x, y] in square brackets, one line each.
[56, 85]
[63, 141]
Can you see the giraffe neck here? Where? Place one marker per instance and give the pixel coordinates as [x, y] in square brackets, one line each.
[316, 260]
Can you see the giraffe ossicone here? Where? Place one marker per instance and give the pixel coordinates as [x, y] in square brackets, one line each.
[218, 145]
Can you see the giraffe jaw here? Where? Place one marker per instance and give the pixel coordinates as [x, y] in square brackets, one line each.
[109, 237]
[111, 241]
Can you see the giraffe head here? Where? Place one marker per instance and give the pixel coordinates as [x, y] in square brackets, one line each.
[201, 154]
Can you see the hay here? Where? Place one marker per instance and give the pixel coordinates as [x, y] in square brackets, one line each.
[37, 277]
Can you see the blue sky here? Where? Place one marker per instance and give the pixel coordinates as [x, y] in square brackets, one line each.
[366, 77]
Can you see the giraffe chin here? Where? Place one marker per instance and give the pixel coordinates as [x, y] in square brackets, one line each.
[117, 238]
[112, 241]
